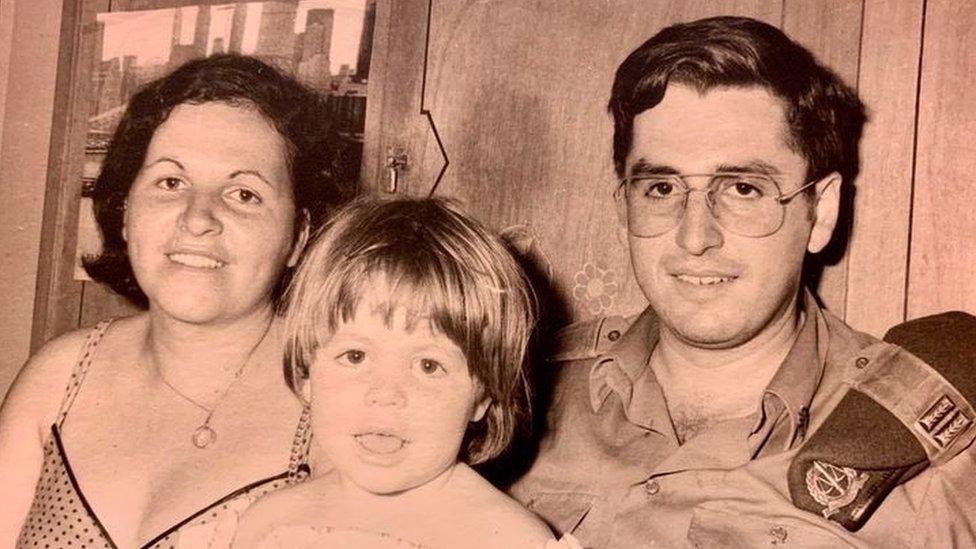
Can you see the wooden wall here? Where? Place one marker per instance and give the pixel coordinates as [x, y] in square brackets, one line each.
[942, 258]
[28, 69]
[516, 94]
[507, 98]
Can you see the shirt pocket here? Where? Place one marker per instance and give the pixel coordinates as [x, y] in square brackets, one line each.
[712, 527]
[564, 511]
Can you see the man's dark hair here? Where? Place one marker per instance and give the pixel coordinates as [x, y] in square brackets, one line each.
[320, 166]
[824, 116]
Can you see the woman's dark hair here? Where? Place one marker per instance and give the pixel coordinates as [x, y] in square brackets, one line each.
[824, 116]
[321, 166]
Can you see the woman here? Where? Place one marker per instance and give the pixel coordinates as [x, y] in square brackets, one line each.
[176, 418]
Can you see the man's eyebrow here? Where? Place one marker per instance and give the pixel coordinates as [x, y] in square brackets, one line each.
[753, 166]
[644, 167]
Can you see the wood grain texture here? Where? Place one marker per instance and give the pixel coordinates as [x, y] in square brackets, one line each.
[830, 29]
[518, 91]
[394, 124]
[943, 248]
[878, 254]
[58, 302]
[138, 5]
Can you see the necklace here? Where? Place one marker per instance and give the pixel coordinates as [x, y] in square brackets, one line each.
[204, 435]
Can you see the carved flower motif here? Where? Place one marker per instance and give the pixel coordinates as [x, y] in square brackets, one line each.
[596, 288]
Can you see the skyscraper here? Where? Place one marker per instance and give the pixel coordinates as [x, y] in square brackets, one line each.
[177, 27]
[276, 34]
[98, 69]
[366, 41]
[318, 32]
[237, 24]
[178, 53]
[201, 31]
[313, 69]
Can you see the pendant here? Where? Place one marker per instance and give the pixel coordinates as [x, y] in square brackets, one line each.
[204, 436]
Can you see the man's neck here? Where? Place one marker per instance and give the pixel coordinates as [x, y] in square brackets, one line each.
[705, 386]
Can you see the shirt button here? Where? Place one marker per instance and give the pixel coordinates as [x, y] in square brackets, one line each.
[613, 335]
[861, 362]
[778, 535]
[651, 487]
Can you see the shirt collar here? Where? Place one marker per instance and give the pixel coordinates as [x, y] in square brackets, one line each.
[791, 388]
[619, 368]
[793, 385]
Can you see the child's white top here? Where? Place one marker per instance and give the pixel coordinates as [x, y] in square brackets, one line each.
[314, 537]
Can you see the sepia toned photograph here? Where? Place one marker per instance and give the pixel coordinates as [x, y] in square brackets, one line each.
[552, 274]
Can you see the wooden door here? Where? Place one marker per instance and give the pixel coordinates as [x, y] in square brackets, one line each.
[509, 116]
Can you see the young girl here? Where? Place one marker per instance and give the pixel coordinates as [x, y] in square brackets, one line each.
[406, 328]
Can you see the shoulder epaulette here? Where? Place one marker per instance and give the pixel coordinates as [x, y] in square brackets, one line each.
[588, 339]
[909, 409]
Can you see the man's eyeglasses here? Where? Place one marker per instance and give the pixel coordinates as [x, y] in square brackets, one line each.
[747, 204]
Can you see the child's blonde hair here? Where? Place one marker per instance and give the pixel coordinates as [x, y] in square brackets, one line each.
[441, 265]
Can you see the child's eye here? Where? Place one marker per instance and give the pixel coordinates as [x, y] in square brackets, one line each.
[352, 357]
[431, 368]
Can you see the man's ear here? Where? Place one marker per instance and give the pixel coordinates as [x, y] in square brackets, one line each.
[302, 239]
[826, 209]
[480, 409]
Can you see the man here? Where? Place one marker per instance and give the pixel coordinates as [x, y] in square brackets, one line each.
[731, 144]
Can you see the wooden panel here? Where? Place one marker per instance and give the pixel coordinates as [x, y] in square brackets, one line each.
[138, 5]
[58, 300]
[29, 48]
[878, 254]
[831, 30]
[943, 248]
[393, 120]
[522, 114]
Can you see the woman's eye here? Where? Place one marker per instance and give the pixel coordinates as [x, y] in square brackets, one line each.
[245, 196]
[431, 368]
[170, 183]
[352, 357]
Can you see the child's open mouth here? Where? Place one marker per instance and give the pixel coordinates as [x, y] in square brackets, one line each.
[380, 443]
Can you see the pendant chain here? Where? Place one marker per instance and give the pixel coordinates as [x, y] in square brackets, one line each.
[204, 435]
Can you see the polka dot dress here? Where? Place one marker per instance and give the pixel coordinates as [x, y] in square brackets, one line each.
[60, 517]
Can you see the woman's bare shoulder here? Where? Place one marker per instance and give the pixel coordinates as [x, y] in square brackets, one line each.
[39, 387]
[40, 384]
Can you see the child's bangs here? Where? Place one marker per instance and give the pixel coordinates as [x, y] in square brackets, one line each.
[420, 284]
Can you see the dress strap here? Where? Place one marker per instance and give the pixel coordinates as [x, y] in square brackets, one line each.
[81, 368]
[298, 463]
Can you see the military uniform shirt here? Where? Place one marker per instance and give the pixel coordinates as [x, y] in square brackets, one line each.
[611, 472]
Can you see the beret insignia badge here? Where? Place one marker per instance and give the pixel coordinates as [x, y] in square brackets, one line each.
[833, 486]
